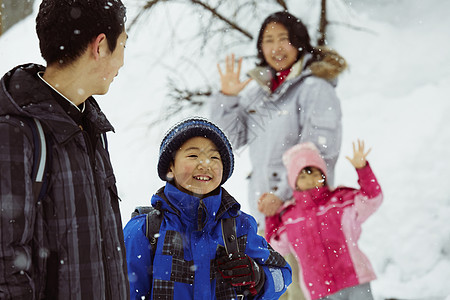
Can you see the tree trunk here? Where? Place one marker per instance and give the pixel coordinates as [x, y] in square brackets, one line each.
[13, 11]
[1, 17]
[323, 24]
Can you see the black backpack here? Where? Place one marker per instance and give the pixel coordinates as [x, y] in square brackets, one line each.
[42, 156]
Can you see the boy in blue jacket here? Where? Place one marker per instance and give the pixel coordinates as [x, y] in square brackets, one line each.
[190, 261]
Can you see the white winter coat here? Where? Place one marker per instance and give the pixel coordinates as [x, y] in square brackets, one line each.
[304, 108]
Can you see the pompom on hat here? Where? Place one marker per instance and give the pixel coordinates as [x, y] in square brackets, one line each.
[299, 157]
[190, 128]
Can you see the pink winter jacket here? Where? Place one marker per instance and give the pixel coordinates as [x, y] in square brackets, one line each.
[322, 227]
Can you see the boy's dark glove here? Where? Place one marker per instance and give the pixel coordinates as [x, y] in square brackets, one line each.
[241, 270]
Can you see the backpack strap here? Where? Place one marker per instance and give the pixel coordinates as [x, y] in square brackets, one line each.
[229, 235]
[140, 210]
[104, 141]
[40, 153]
[40, 181]
[42, 158]
[153, 220]
[231, 244]
[153, 223]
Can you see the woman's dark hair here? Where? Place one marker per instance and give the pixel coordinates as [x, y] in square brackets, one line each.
[298, 34]
[66, 27]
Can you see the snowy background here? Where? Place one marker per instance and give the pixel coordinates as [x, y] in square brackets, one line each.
[395, 96]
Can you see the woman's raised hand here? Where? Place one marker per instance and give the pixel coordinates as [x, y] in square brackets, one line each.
[231, 83]
[359, 157]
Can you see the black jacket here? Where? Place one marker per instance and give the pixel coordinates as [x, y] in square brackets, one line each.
[70, 245]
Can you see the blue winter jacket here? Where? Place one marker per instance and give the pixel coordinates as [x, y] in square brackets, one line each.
[189, 239]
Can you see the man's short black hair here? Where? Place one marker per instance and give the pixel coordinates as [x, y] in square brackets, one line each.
[66, 27]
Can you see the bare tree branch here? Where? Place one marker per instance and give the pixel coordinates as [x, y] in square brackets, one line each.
[180, 99]
[146, 7]
[224, 19]
[192, 96]
[151, 3]
[282, 3]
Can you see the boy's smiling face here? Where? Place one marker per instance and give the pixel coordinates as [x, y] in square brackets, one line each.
[197, 168]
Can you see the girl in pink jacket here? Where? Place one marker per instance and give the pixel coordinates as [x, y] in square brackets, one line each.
[321, 227]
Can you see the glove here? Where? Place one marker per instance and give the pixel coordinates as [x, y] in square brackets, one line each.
[241, 270]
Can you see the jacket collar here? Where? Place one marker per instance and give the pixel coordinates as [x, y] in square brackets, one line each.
[328, 65]
[23, 94]
[195, 212]
[263, 75]
[312, 198]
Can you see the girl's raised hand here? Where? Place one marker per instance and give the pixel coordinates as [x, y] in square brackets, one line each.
[231, 83]
[359, 157]
[268, 204]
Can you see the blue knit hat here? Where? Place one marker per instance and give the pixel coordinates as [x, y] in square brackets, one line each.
[190, 128]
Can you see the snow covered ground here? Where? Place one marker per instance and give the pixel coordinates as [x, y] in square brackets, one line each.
[395, 96]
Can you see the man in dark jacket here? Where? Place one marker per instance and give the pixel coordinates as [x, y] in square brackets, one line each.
[70, 244]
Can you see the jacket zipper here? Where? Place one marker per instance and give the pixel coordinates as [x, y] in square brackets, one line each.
[91, 154]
